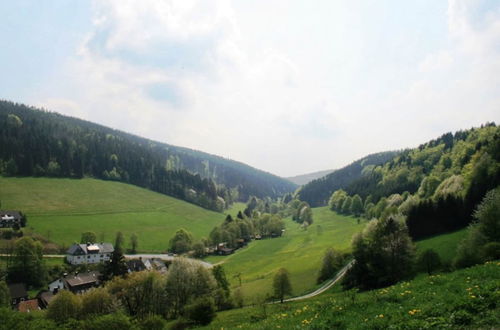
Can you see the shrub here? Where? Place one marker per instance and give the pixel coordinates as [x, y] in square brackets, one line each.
[429, 261]
[201, 311]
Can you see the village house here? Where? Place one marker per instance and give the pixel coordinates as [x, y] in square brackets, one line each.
[45, 298]
[80, 283]
[9, 219]
[89, 253]
[18, 293]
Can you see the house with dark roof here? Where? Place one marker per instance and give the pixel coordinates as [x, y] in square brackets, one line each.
[90, 253]
[45, 298]
[82, 282]
[18, 293]
[9, 219]
[28, 306]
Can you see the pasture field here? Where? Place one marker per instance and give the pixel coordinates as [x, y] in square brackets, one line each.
[299, 251]
[61, 209]
[445, 245]
[464, 299]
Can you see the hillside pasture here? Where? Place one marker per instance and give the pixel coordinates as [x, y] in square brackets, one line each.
[299, 251]
[61, 209]
[445, 245]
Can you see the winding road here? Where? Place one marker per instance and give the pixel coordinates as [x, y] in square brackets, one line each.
[340, 274]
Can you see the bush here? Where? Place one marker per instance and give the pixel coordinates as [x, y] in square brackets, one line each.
[491, 251]
[152, 322]
[65, 306]
[201, 311]
[429, 261]
[109, 322]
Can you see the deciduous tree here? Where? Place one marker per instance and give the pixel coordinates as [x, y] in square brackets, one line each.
[281, 284]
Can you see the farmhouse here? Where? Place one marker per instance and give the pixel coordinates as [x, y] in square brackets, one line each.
[88, 253]
[9, 219]
[80, 283]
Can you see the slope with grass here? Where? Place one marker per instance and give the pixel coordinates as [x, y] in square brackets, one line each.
[299, 251]
[463, 299]
[445, 245]
[61, 209]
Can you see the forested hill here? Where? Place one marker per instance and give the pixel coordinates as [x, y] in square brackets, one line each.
[436, 186]
[306, 178]
[317, 192]
[34, 142]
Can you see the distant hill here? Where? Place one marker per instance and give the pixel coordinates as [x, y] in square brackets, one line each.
[306, 178]
[318, 191]
[34, 142]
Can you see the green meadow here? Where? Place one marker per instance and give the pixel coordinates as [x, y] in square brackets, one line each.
[299, 251]
[445, 245]
[464, 299]
[61, 209]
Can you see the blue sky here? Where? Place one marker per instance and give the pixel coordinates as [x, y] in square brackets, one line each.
[286, 86]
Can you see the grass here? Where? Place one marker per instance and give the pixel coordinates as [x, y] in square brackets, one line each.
[467, 298]
[445, 245]
[61, 209]
[299, 251]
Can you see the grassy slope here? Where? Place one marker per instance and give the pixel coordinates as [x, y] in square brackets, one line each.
[445, 245]
[298, 251]
[64, 208]
[466, 298]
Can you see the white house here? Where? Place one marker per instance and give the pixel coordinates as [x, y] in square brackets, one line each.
[88, 253]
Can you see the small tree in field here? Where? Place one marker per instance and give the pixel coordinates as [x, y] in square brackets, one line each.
[281, 284]
[429, 261]
[332, 261]
[88, 237]
[134, 242]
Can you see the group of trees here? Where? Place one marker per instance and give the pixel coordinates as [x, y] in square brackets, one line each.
[384, 253]
[26, 264]
[342, 203]
[39, 143]
[482, 242]
[244, 228]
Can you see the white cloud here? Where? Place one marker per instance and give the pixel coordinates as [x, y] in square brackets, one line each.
[182, 72]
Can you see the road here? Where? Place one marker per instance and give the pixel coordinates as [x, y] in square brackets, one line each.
[324, 287]
[164, 257]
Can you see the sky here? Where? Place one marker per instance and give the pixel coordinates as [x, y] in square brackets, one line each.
[289, 87]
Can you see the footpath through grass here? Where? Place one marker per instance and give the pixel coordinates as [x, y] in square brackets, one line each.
[61, 209]
[465, 299]
[299, 251]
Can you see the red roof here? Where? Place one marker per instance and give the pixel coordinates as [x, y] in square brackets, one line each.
[28, 306]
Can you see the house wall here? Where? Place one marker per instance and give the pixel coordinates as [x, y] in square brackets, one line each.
[94, 258]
